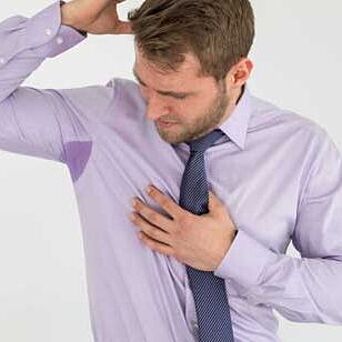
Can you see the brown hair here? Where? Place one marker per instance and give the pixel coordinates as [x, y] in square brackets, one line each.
[218, 32]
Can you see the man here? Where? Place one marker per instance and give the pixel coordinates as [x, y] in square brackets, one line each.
[274, 176]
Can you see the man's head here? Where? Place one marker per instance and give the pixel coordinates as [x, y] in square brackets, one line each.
[191, 62]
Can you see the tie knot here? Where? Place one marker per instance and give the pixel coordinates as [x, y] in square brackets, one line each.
[203, 143]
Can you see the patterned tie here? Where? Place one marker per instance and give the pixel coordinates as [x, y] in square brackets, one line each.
[209, 291]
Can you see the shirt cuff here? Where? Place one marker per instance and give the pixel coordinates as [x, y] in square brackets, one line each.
[245, 261]
[47, 36]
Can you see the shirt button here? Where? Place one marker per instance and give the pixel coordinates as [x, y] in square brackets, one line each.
[48, 31]
[59, 40]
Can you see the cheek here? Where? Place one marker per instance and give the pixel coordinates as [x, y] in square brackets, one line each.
[186, 112]
[188, 109]
[179, 112]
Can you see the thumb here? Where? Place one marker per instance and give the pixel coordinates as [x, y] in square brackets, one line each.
[214, 203]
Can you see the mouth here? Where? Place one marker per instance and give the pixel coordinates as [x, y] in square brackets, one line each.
[165, 123]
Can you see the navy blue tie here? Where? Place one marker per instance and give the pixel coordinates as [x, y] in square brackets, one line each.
[211, 302]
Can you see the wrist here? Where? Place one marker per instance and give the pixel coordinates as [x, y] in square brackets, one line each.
[68, 19]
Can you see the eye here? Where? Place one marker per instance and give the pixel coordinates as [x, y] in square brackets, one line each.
[177, 97]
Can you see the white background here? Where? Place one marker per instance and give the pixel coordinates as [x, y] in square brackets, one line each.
[298, 65]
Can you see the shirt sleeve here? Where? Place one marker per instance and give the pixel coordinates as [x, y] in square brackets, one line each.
[305, 289]
[39, 122]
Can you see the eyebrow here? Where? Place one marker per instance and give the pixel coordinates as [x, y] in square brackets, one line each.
[167, 93]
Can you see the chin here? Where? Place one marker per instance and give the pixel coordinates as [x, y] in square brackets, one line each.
[174, 136]
[170, 138]
[167, 138]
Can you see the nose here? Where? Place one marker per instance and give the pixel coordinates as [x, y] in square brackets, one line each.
[156, 108]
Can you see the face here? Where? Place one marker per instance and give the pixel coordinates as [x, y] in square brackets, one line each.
[182, 105]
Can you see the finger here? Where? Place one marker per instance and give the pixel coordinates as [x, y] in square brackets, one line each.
[214, 202]
[123, 27]
[153, 216]
[151, 230]
[171, 207]
[156, 246]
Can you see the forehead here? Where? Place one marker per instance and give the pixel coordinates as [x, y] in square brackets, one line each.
[188, 70]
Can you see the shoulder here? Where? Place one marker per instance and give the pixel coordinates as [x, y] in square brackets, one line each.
[287, 125]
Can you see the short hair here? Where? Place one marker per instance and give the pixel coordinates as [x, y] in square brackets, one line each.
[217, 32]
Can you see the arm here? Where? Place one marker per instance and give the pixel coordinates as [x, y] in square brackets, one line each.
[40, 122]
[305, 289]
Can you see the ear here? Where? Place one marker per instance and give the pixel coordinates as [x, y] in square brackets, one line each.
[241, 72]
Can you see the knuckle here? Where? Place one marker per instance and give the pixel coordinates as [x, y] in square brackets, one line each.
[163, 201]
[184, 219]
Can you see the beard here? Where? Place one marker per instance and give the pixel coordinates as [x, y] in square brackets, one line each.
[202, 124]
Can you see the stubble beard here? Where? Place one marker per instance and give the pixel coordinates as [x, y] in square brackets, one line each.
[202, 125]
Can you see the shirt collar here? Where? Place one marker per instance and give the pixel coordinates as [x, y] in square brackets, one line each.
[236, 125]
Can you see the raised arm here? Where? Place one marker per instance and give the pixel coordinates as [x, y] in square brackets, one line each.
[40, 122]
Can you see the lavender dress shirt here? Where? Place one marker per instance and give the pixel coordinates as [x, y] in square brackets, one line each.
[278, 173]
